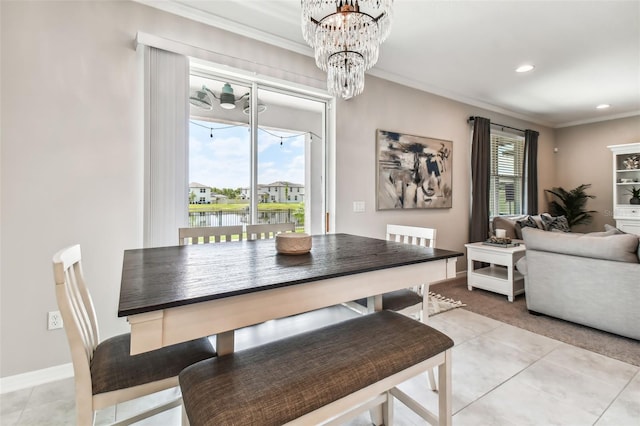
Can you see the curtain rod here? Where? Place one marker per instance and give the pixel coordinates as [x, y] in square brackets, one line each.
[471, 119]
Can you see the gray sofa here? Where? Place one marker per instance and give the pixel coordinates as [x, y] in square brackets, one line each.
[589, 279]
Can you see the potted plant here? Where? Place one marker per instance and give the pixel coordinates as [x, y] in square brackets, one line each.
[635, 195]
[571, 204]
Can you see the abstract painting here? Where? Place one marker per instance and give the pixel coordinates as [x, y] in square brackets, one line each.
[414, 172]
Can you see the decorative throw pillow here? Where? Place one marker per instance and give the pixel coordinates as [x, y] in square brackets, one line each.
[557, 224]
[523, 223]
[538, 220]
[544, 219]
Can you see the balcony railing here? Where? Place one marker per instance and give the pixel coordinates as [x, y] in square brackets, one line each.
[231, 218]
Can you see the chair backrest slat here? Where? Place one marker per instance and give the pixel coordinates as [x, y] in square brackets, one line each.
[268, 230]
[209, 234]
[77, 310]
[415, 235]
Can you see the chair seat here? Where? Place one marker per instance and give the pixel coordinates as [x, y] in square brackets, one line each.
[397, 300]
[113, 368]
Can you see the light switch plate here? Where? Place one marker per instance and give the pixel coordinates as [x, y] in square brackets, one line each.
[358, 206]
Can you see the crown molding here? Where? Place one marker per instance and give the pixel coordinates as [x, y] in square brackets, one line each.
[386, 75]
[598, 119]
[226, 24]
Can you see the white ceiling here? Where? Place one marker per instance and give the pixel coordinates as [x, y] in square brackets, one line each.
[586, 53]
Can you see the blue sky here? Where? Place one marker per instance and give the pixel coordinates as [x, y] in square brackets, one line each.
[224, 160]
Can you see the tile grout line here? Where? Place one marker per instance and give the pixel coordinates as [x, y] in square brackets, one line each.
[24, 407]
[637, 374]
[506, 380]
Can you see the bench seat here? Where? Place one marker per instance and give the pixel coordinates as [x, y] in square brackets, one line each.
[292, 378]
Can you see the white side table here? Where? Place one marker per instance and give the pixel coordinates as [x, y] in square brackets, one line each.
[495, 278]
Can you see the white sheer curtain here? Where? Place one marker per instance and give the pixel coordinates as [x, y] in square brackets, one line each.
[166, 186]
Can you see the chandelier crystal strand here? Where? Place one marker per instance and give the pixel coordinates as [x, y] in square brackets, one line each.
[356, 33]
[346, 36]
[345, 75]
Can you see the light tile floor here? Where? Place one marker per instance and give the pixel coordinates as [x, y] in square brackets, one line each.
[502, 375]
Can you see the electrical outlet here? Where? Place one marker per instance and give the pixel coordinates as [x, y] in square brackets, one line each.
[54, 320]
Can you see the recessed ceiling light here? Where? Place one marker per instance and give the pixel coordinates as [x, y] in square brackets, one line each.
[525, 68]
[603, 106]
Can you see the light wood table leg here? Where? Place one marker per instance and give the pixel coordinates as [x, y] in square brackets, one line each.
[225, 342]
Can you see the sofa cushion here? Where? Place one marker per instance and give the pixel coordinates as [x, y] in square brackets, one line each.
[608, 230]
[600, 233]
[508, 224]
[621, 248]
[612, 229]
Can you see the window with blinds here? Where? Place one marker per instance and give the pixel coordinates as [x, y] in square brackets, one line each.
[506, 174]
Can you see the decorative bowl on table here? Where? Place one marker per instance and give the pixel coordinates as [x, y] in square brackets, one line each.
[499, 240]
[293, 243]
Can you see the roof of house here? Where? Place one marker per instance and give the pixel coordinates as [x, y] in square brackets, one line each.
[197, 185]
[285, 183]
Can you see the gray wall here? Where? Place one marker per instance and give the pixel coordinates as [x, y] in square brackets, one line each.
[72, 153]
[583, 157]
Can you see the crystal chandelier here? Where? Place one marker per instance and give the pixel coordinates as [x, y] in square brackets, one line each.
[346, 36]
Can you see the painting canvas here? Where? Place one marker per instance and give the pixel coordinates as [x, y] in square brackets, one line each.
[414, 172]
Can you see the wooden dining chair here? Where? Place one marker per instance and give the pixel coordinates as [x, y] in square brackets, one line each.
[268, 230]
[209, 234]
[104, 372]
[408, 301]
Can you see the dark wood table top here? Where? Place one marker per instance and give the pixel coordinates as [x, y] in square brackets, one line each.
[165, 277]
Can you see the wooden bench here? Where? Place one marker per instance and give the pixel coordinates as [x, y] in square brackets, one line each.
[324, 376]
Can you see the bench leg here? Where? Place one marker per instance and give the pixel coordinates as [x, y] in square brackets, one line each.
[377, 415]
[432, 380]
[444, 391]
[387, 410]
[185, 419]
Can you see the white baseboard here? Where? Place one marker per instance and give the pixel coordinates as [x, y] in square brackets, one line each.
[35, 378]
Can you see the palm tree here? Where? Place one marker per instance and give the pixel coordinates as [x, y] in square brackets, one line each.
[571, 204]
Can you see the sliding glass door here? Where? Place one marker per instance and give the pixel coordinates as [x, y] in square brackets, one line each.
[241, 171]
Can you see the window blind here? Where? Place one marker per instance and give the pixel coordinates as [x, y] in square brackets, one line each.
[166, 82]
[506, 175]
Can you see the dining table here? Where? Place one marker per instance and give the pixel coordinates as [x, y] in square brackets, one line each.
[179, 293]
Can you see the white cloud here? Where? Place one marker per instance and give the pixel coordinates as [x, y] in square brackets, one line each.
[297, 142]
[224, 160]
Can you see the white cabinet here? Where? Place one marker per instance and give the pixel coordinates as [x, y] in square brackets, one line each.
[626, 175]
